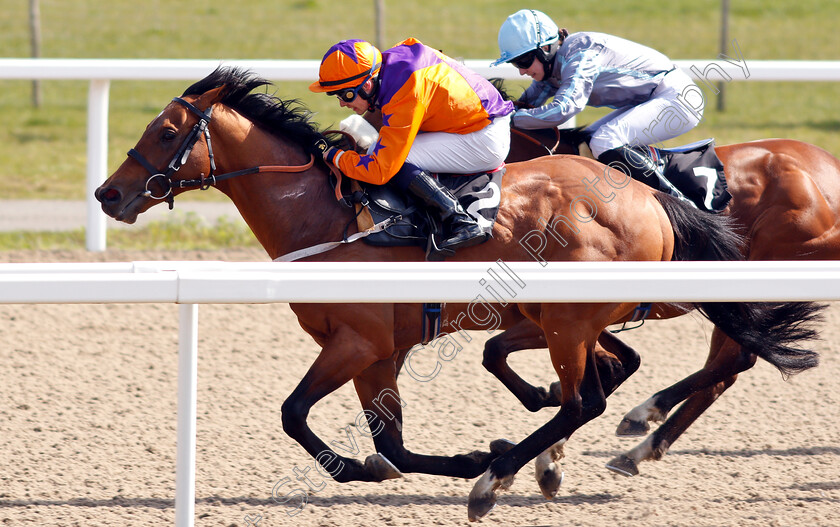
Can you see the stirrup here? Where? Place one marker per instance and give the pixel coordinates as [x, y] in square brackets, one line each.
[464, 238]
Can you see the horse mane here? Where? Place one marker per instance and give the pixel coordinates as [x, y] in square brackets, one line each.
[571, 136]
[287, 118]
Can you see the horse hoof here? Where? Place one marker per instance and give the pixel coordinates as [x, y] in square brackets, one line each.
[381, 468]
[623, 465]
[477, 510]
[480, 503]
[629, 428]
[482, 498]
[550, 480]
[501, 446]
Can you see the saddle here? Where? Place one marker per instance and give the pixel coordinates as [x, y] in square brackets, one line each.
[404, 223]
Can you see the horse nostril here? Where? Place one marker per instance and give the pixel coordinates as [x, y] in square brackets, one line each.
[108, 195]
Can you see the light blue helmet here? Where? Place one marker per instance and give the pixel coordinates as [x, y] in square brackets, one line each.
[523, 31]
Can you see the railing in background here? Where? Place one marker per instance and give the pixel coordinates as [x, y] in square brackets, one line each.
[101, 71]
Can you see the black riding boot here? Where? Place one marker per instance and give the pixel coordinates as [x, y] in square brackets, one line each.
[464, 231]
[641, 166]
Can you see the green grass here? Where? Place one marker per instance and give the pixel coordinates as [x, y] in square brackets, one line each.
[43, 150]
[184, 232]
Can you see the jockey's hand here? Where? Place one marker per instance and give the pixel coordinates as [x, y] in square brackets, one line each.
[319, 147]
[521, 105]
[330, 153]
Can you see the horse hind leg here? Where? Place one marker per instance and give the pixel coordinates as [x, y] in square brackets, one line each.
[548, 471]
[523, 335]
[699, 390]
[615, 362]
[656, 445]
[582, 400]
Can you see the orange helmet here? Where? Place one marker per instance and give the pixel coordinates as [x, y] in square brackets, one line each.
[347, 64]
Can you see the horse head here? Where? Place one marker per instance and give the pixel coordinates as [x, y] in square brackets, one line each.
[217, 130]
[165, 148]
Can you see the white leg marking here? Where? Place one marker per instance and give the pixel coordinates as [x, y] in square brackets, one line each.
[647, 411]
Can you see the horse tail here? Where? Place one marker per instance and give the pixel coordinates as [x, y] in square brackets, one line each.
[770, 330]
[701, 236]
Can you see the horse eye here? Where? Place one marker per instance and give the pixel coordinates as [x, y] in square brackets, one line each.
[168, 135]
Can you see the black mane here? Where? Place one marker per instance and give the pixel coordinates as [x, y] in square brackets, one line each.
[289, 118]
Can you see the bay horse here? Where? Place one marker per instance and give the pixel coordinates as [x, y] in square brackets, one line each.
[256, 135]
[785, 201]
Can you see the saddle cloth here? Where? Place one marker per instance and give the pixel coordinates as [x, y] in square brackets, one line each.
[697, 172]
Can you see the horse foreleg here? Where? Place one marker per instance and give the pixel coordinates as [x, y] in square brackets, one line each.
[726, 358]
[699, 390]
[344, 356]
[524, 335]
[582, 399]
[377, 389]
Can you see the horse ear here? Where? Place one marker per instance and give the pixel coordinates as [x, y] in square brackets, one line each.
[211, 97]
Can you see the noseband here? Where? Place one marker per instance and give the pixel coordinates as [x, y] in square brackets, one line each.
[183, 153]
[180, 157]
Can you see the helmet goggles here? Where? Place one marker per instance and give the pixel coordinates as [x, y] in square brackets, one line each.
[348, 95]
[525, 60]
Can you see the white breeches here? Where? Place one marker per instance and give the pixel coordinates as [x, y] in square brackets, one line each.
[675, 107]
[480, 151]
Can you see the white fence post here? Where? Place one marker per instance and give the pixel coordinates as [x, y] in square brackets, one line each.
[97, 161]
[187, 394]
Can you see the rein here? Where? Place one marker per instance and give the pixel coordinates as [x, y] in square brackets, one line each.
[537, 142]
[183, 153]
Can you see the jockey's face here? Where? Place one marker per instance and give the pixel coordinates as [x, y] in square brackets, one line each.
[359, 104]
[536, 70]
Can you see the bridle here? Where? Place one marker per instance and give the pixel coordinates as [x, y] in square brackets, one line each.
[201, 128]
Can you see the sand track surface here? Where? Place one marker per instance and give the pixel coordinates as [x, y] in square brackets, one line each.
[88, 420]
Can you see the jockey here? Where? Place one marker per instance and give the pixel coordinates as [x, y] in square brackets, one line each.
[597, 69]
[437, 117]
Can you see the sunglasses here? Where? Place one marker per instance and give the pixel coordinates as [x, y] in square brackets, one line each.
[525, 60]
[347, 95]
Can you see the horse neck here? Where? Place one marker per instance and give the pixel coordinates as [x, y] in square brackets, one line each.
[541, 142]
[285, 211]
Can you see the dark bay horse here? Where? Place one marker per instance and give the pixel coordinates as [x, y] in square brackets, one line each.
[367, 343]
[785, 201]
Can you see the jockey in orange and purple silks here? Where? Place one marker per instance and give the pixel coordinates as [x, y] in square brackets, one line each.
[437, 116]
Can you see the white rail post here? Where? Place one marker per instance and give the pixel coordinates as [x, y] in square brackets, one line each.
[185, 446]
[97, 161]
